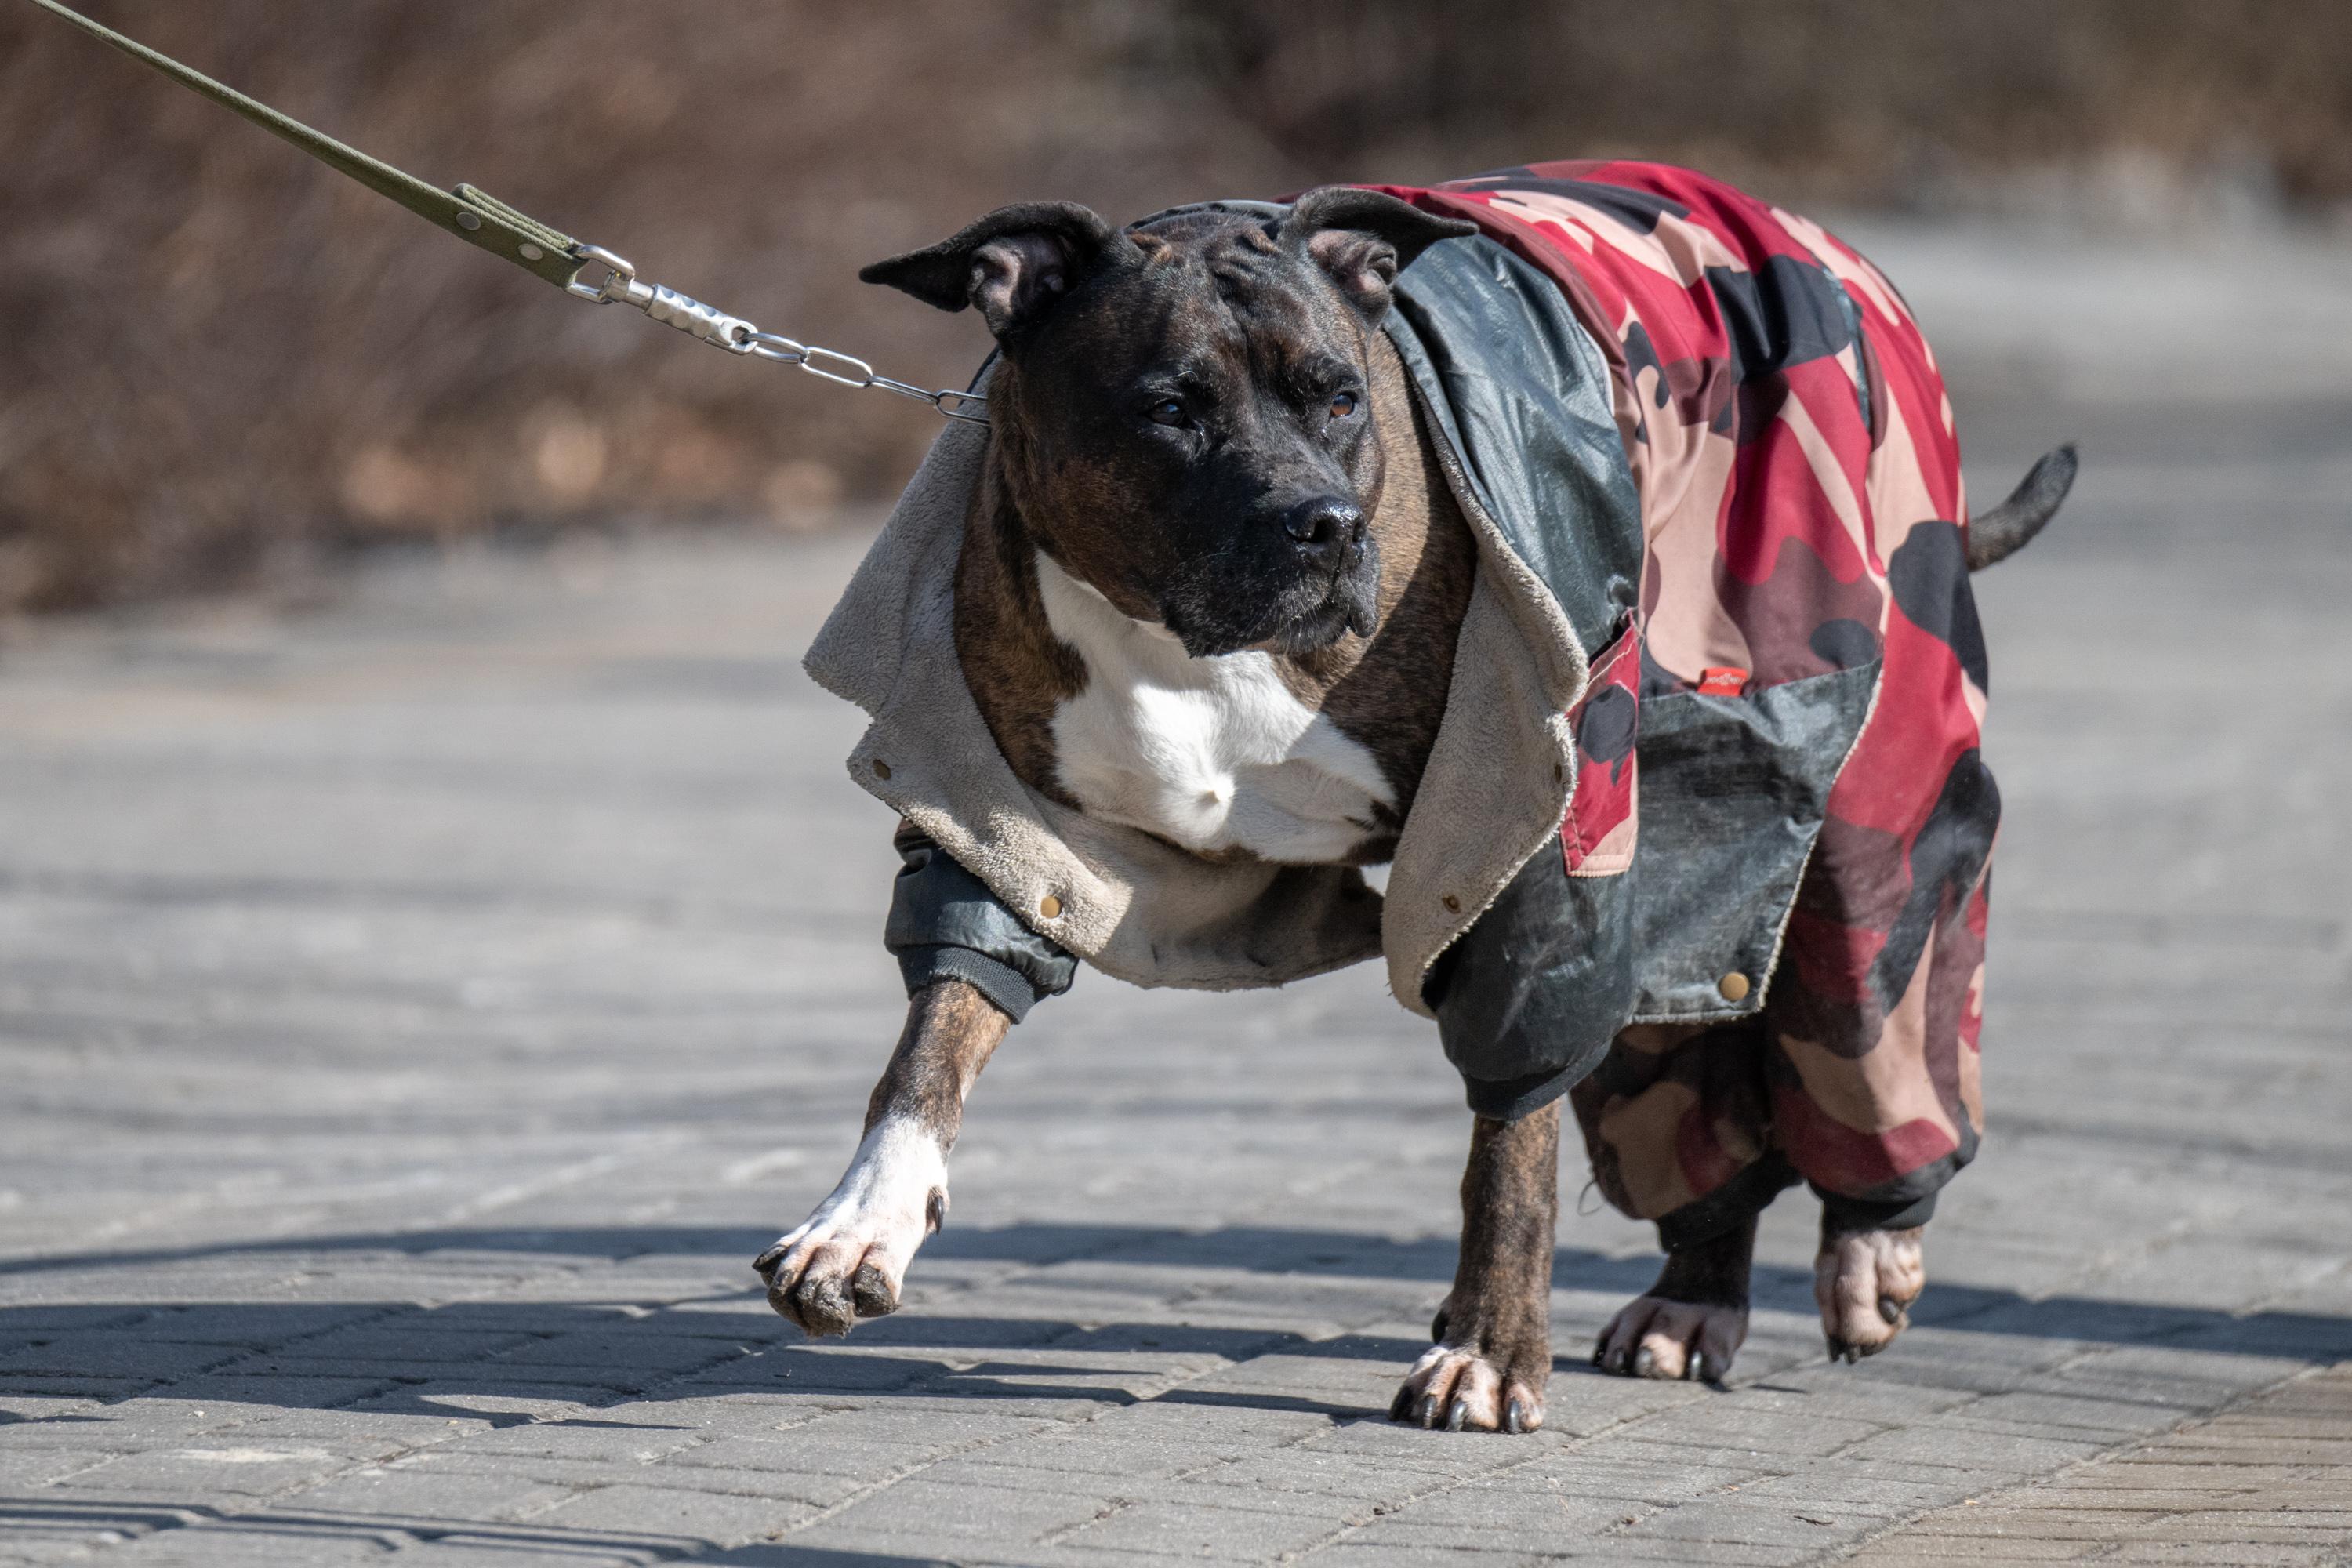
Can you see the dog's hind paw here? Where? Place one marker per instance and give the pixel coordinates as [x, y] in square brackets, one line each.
[1693, 1320]
[1653, 1337]
[1865, 1282]
[1461, 1390]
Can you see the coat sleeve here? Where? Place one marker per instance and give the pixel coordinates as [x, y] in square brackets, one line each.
[1529, 999]
[945, 924]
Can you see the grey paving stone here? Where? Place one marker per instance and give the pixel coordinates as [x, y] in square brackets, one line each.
[919, 1514]
[1353, 1551]
[672, 1514]
[412, 1494]
[209, 1543]
[1232, 1529]
[27, 1468]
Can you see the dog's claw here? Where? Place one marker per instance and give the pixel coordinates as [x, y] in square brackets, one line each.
[1427, 1415]
[1890, 1309]
[1513, 1420]
[1457, 1416]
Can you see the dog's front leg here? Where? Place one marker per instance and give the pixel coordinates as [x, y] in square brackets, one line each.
[1492, 1355]
[849, 1258]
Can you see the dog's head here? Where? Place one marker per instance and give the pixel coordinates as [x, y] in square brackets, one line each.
[1183, 407]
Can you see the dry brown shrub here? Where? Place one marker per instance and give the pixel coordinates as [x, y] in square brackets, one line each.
[211, 350]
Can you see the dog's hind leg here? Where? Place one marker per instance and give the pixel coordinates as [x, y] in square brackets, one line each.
[1691, 1323]
[848, 1260]
[1492, 1355]
[1865, 1282]
[1677, 1120]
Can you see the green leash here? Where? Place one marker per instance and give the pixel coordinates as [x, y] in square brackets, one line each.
[481, 220]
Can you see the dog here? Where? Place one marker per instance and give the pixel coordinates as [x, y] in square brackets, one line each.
[1302, 535]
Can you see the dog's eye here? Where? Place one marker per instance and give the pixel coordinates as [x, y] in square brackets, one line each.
[1167, 411]
[1342, 404]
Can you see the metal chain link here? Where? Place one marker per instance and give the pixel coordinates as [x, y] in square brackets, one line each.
[737, 336]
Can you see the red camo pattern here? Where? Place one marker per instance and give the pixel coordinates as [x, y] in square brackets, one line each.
[1802, 513]
[1597, 839]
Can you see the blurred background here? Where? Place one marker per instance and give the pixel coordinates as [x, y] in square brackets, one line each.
[221, 363]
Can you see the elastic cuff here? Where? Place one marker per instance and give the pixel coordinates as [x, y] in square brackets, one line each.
[1003, 984]
[1841, 1214]
[1508, 1099]
[1750, 1192]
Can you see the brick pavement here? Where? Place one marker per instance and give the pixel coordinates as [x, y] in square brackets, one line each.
[415, 1010]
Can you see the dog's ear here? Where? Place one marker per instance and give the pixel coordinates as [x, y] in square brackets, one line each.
[1011, 264]
[1363, 239]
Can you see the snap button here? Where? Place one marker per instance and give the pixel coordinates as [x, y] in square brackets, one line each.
[1050, 907]
[1734, 986]
[1452, 904]
[881, 768]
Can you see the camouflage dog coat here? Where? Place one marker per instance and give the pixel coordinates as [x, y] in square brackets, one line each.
[1779, 746]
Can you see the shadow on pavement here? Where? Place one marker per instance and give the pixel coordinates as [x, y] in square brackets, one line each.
[398, 1357]
[273, 1533]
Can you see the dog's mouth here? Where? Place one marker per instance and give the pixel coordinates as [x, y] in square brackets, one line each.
[1351, 604]
[1306, 617]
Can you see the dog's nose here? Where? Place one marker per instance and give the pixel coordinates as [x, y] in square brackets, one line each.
[1324, 526]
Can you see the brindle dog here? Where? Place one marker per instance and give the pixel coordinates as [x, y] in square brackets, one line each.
[1203, 446]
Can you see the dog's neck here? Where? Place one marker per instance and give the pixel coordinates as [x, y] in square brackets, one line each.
[1311, 758]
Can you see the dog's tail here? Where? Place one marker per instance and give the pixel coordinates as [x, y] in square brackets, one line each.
[1998, 534]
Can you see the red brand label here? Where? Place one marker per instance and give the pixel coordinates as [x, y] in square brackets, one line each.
[1721, 682]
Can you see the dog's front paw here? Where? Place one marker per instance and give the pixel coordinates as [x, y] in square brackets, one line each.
[1459, 1387]
[1653, 1337]
[1865, 1282]
[848, 1260]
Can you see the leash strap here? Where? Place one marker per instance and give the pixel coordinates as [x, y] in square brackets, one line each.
[481, 220]
[473, 215]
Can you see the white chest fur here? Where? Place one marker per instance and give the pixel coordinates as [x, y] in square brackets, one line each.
[1210, 754]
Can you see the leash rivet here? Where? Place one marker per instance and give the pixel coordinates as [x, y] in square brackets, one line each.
[1453, 905]
[468, 220]
[1734, 987]
[1050, 907]
[528, 251]
[881, 768]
